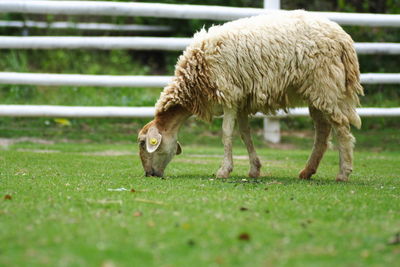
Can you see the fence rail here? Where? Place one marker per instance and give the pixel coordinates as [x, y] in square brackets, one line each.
[146, 112]
[176, 11]
[46, 79]
[380, 78]
[84, 26]
[139, 43]
[143, 43]
[377, 48]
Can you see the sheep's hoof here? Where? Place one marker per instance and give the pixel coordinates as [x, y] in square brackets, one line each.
[222, 173]
[306, 174]
[255, 167]
[341, 178]
[254, 173]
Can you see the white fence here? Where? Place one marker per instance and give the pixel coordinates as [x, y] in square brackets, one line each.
[47, 79]
[62, 25]
[147, 112]
[143, 43]
[138, 43]
[154, 43]
[175, 11]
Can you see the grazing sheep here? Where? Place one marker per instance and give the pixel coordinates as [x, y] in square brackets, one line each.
[261, 63]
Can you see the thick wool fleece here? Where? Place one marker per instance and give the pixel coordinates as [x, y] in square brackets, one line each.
[268, 62]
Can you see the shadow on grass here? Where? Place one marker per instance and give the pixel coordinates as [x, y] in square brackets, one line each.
[268, 180]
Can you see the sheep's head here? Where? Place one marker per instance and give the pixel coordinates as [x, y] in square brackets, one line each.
[156, 149]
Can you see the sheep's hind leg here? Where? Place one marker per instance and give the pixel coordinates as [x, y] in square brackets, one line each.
[346, 145]
[322, 131]
[255, 165]
[227, 131]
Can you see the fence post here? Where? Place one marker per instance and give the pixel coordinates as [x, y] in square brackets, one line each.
[272, 4]
[272, 128]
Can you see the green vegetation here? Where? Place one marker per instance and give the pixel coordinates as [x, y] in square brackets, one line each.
[162, 63]
[61, 211]
[297, 133]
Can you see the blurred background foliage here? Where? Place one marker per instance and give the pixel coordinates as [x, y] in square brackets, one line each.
[123, 62]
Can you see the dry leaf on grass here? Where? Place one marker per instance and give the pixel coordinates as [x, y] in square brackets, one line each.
[137, 213]
[62, 122]
[244, 237]
[7, 197]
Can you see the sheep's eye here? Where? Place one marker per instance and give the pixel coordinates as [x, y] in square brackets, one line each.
[142, 143]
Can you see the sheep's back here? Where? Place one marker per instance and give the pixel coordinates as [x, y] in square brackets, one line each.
[268, 62]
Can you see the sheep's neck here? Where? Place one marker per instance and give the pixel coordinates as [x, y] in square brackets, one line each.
[171, 120]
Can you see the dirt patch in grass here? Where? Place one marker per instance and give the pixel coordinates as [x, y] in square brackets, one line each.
[5, 142]
[242, 157]
[38, 150]
[283, 146]
[299, 134]
[109, 153]
[205, 159]
[194, 161]
[239, 160]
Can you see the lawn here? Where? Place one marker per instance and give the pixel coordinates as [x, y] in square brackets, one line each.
[57, 209]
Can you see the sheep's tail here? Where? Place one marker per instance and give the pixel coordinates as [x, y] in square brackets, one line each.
[353, 86]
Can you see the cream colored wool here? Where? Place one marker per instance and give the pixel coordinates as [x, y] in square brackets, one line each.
[268, 62]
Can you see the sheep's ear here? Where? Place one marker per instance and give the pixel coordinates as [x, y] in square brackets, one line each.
[153, 139]
[178, 148]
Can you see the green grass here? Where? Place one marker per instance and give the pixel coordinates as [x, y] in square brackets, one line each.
[377, 134]
[62, 214]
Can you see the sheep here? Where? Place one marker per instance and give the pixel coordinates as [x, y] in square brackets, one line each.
[260, 64]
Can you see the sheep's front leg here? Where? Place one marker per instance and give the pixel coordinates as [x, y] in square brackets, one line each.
[255, 165]
[227, 131]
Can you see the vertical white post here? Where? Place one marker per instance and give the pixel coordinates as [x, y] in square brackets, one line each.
[272, 130]
[272, 127]
[272, 4]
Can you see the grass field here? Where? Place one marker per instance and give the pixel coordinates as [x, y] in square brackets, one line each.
[56, 209]
[58, 200]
